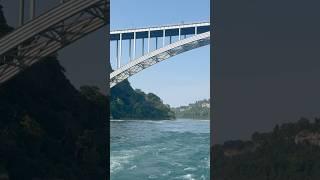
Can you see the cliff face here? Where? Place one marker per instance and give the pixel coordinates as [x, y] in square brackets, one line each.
[48, 129]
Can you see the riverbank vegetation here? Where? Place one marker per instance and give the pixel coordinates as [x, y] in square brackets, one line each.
[290, 152]
[127, 103]
[197, 110]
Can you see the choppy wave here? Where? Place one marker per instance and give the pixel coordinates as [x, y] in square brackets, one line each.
[186, 177]
[144, 150]
[116, 120]
[117, 162]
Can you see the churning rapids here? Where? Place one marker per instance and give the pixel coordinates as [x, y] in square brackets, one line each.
[161, 150]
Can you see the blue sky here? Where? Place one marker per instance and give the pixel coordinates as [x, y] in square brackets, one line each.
[182, 79]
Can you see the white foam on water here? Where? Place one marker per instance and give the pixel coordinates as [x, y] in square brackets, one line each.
[190, 169]
[203, 120]
[137, 120]
[163, 149]
[152, 177]
[175, 164]
[117, 162]
[202, 177]
[206, 163]
[186, 177]
[156, 121]
[133, 167]
[166, 173]
[114, 166]
[122, 158]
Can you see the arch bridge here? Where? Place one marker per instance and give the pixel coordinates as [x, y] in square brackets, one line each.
[157, 44]
[43, 35]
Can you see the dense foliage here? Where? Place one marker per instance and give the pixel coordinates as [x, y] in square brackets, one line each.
[48, 129]
[127, 103]
[197, 110]
[290, 152]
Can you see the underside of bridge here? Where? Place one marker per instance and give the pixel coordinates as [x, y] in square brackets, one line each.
[157, 56]
[48, 33]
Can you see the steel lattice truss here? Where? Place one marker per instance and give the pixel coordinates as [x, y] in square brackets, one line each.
[157, 56]
[50, 32]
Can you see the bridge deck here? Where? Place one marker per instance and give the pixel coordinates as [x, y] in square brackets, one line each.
[169, 30]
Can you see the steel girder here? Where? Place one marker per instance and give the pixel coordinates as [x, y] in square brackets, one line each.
[50, 32]
[157, 56]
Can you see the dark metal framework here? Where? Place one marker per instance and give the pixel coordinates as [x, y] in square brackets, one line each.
[50, 32]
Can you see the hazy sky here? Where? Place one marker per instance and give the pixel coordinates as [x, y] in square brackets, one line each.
[182, 79]
[266, 65]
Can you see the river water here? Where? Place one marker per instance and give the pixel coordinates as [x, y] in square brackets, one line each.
[162, 150]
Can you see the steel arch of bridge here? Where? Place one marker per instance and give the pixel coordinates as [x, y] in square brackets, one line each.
[157, 56]
[50, 32]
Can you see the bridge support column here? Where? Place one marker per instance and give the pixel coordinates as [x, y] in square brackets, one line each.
[21, 13]
[179, 34]
[196, 30]
[156, 42]
[149, 40]
[117, 53]
[142, 46]
[21, 22]
[134, 44]
[164, 38]
[130, 50]
[32, 9]
[120, 51]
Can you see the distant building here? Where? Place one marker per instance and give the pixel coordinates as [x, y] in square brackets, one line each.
[308, 137]
[205, 104]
